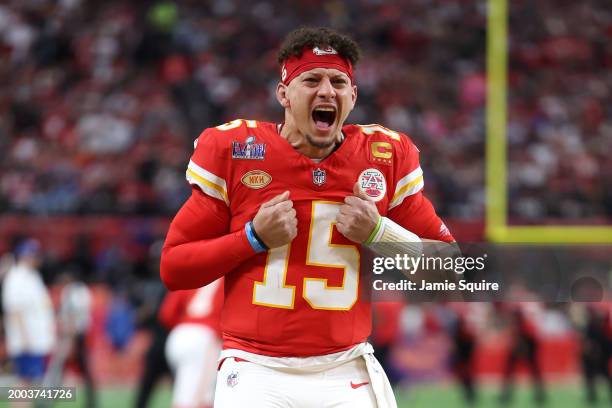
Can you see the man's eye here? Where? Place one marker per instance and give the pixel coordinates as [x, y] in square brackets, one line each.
[310, 80]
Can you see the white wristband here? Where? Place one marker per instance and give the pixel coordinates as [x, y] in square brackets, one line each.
[397, 238]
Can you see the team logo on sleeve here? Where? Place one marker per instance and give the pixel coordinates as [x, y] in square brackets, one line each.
[372, 183]
[256, 179]
[249, 150]
[318, 177]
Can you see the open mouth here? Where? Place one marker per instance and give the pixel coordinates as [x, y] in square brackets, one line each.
[324, 117]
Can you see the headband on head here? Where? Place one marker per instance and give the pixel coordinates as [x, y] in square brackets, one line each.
[314, 58]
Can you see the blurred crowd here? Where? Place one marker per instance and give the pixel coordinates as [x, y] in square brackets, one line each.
[560, 109]
[101, 100]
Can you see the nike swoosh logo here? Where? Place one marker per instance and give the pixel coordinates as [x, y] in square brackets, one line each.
[355, 386]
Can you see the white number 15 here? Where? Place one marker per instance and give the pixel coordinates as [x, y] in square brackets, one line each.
[273, 290]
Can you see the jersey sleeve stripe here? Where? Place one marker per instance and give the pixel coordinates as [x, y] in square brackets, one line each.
[209, 183]
[207, 175]
[413, 175]
[407, 188]
[207, 187]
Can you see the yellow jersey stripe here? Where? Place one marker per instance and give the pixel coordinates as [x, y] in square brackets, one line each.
[217, 191]
[413, 175]
[408, 186]
[213, 178]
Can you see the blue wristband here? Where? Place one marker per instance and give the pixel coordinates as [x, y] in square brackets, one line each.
[254, 240]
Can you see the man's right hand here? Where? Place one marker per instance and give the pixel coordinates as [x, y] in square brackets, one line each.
[275, 223]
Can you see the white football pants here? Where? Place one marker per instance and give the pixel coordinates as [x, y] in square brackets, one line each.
[192, 351]
[246, 384]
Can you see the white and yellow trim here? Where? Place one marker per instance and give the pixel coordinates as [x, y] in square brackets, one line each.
[210, 184]
[376, 128]
[407, 186]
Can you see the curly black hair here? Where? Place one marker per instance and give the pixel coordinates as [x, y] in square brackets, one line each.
[309, 37]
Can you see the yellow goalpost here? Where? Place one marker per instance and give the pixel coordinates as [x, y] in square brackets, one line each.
[496, 161]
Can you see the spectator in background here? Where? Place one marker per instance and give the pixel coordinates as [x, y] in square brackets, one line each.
[6, 262]
[120, 322]
[155, 363]
[74, 322]
[462, 357]
[152, 292]
[524, 346]
[596, 351]
[28, 314]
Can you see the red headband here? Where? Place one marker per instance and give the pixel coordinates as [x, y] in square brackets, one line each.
[315, 58]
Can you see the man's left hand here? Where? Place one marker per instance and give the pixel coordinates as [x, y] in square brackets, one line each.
[358, 216]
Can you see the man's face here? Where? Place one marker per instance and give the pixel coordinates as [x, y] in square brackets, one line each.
[319, 101]
[34, 260]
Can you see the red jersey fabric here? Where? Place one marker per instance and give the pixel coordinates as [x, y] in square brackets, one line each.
[198, 306]
[303, 299]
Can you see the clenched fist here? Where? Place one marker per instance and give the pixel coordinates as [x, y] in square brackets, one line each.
[357, 217]
[275, 223]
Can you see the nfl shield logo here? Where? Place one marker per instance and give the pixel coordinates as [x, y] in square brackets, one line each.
[318, 177]
[232, 380]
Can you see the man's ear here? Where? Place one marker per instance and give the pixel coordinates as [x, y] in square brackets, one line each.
[354, 95]
[281, 95]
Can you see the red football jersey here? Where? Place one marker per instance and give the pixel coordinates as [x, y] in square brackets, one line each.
[304, 299]
[199, 306]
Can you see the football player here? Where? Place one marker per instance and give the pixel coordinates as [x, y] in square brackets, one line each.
[29, 320]
[282, 211]
[194, 342]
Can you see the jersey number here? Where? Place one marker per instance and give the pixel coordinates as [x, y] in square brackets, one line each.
[237, 123]
[201, 303]
[374, 128]
[273, 290]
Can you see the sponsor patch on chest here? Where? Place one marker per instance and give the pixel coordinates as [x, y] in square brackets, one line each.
[256, 179]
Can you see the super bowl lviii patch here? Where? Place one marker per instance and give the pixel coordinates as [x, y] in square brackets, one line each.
[372, 183]
[256, 179]
[249, 150]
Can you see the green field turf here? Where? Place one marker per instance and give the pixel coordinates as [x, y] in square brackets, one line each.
[430, 396]
[559, 396]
